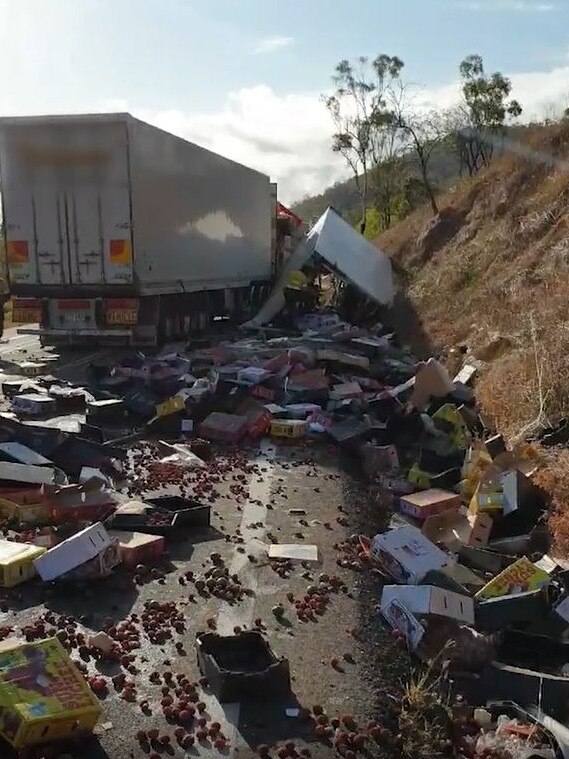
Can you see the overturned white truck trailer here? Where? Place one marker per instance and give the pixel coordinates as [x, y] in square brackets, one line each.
[346, 253]
[118, 231]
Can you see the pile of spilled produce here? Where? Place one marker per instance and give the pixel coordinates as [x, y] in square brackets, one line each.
[292, 541]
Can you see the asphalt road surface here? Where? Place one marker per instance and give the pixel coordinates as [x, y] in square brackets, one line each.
[289, 494]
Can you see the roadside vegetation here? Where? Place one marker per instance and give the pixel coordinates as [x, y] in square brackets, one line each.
[400, 152]
[473, 209]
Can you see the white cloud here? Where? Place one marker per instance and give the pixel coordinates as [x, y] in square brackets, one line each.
[271, 44]
[288, 136]
[508, 6]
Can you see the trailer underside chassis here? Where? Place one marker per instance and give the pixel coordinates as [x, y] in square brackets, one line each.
[146, 321]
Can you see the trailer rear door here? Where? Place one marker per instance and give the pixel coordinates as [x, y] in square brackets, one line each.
[66, 198]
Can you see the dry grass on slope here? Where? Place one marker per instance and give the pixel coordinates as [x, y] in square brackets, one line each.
[493, 273]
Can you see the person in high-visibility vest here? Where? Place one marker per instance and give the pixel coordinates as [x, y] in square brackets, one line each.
[297, 280]
[300, 294]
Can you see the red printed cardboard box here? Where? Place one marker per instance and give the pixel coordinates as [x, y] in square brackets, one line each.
[224, 428]
[138, 547]
[427, 503]
[88, 502]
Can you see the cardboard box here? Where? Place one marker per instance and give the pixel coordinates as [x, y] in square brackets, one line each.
[313, 379]
[259, 422]
[301, 410]
[138, 547]
[431, 381]
[449, 419]
[455, 529]
[497, 492]
[258, 418]
[291, 428]
[87, 502]
[346, 390]
[519, 577]
[293, 551]
[522, 609]
[264, 393]
[30, 368]
[407, 555]
[341, 357]
[319, 421]
[402, 619]
[466, 374]
[170, 406]
[224, 428]
[92, 543]
[68, 399]
[26, 513]
[253, 375]
[17, 562]
[27, 474]
[425, 600]
[10, 388]
[101, 565]
[21, 454]
[43, 696]
[428, 503]
[105, 411]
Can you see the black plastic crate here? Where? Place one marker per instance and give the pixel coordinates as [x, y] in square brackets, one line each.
[155, 522]
[189, 513]
[243, 666]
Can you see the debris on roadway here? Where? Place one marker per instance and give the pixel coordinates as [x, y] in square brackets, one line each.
[162, 505]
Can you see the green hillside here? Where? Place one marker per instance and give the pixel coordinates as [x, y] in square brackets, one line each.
[344, 198]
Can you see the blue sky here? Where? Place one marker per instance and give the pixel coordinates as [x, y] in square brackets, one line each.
[244, 76]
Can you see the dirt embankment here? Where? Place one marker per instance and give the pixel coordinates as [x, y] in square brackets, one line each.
[491, 272]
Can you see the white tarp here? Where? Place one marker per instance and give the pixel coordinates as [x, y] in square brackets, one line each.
[347, 252]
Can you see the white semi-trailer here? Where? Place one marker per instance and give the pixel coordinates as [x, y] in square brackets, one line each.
[116, 230]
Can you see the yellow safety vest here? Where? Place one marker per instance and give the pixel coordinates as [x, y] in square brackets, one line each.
[297, 280]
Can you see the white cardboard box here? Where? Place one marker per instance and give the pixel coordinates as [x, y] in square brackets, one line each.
[407, 555]
[301, 410]
[294, 551]
[423, 600]
[253, 374]
[33, 404]
[346, 390]
[73, 552]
